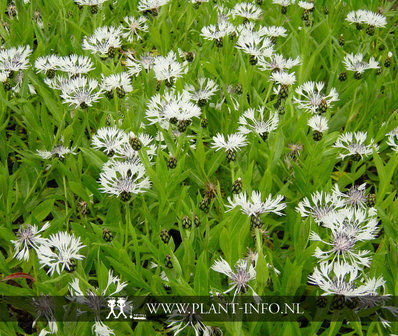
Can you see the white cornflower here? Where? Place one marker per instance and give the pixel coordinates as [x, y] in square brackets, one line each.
[284, 4]
[355, 17]
[231, 145]
[218, 31]
[181, 110]
[15, 59]
[123, 179]
[28, 236]
[44, 306]
[47, 65]
[254, 45]
[318, 123]
[135, 66]
[250, 123]
[58, 82]
[374, 19]
[60, 252]
[168, 68]
[284, 80]
[346, 281]
[239, 279]
[75, 65]
[246, 10]
[81, 92]
[306, 5]
[274, 32]
[104, 41]
[207, 89]
[347, 228]
[155, 112]
[179, 320]
[95, 300]
[393, 139]
[110, 140]
[151, 5]
[101, 329]
[89, 2]
[355, 196]
[354, 145]
[355, 63]
[58, 151]
[313, 100]
[319, 206]
[254, 206]
[119, 82]
[134, 26]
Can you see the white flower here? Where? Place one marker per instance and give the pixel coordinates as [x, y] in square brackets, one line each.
[283, 78]
[45, 306]
[46, 64]
[249, 122]
[81, 92]
[135, 66]
[354, 144]
[58, 82]
[75, 65]
[231, 145]
[255, 45]
[318, 123]
[256, 207]
[283, 3]
[182, 109]
[274, 31]
[374, 19]
[168, 68]
[94, 302]
[28, 236]
[239, 279]
[119, 82]
[155, 112]
[59, 150]
[178, 321]
[110, 139]
[103, 41]
[355, 196]
[355, 63]
[346, 280]
[306, 5]
[123, 179]
[15, 59]
[218, 31]
[347, 227]
[134, 26]
[207, 89]
[60, 252]
[319, 206]
[151, 5]
[89, 2]
[355, 16]
[393, 139]
[246, 10]
[100, 329]
[313, 99]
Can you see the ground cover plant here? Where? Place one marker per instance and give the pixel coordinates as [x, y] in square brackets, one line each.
[198, 148]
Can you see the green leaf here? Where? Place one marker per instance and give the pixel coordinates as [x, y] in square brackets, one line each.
[43, 209]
